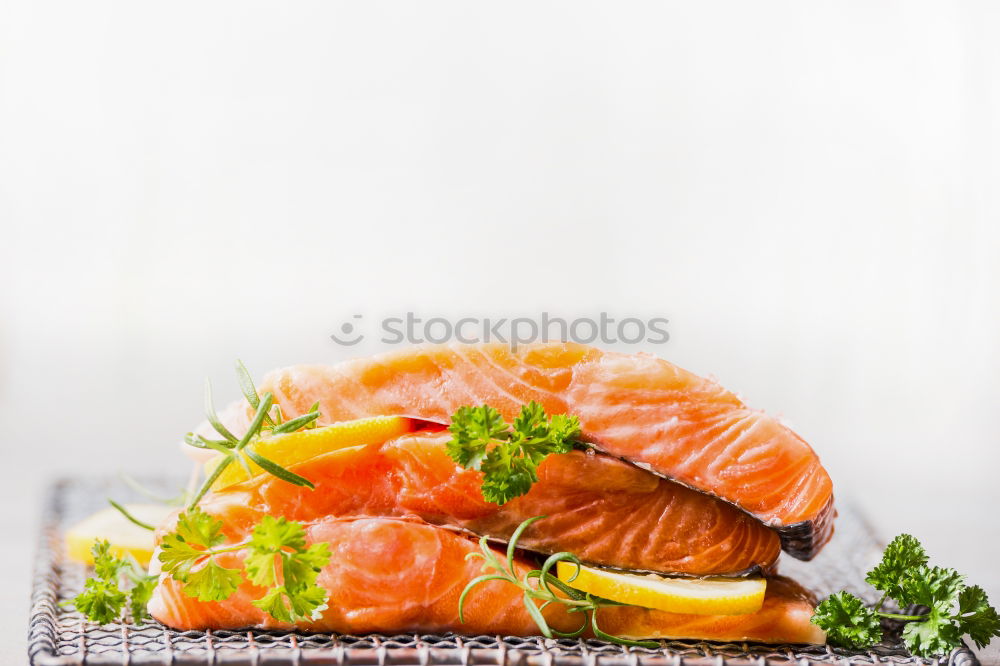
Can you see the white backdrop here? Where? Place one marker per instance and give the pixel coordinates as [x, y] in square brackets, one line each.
[808, 191]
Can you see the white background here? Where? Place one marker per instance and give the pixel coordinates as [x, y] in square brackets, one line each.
[808, 191]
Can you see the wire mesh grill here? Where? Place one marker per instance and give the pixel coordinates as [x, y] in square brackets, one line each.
[61, 637]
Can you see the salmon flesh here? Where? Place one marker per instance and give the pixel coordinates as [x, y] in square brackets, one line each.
[642, 409]
[605, 511]
[676, 476]
[387, 575]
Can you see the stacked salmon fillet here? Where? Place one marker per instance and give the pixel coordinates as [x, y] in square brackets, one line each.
[678, 477]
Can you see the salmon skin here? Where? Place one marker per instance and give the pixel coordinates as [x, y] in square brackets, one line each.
[642, 409]
[607, 512]
[392, 576]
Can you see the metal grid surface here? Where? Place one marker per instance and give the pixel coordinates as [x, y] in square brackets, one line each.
[59, 636]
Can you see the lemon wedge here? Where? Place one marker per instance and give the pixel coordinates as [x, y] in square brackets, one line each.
[697, 596]
[296, 447]
[123, 535]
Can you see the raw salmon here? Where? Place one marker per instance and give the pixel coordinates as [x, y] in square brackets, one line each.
[604, 510]
[385, 576]
[640, 408]
[391, 576]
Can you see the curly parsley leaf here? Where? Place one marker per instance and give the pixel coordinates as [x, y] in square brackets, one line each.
[276, 558]
[901, 555]
[188, 555]
[115, 582]
[139, 597]
[195, 534]
[197, 528]
[506, 476]
[929, 586]
[178, 557]
[935, 633]
[212, 582]
[976, 617]
[279, 559]
[847, 621]
[290, 605]
[472, 430]
[274, 534]
[273, 603]
[948, 610]
[302, 568]
[106, 565]
[269, 538]
[938, 630]
[508, 454]
[307, 603]
[101, 600]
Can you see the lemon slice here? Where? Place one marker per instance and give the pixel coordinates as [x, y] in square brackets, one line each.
[296, 447]
[697, 596]
[124, 536]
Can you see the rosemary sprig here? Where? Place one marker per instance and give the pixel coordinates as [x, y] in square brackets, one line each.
[213, 417]
[189, 553]
[132, 519]
[267, 416]
[304, 422]
[538, 584]
[249, 390]
[177, 500]
[277, 470]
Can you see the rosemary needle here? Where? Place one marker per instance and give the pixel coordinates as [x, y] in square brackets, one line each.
[132, 519]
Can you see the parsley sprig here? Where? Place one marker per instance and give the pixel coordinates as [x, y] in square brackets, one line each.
[951, 609]
[267, 417]
[508, 455]
[117, 583]
[277, 559]
[538, 584]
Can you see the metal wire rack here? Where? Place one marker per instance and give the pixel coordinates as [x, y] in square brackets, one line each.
[61, 637]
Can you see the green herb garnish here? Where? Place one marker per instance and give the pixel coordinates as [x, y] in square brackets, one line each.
[178, 500]
[117, 581]
[508, 455]
[196, 541]
[189, 553]
[538, 584]
[277, 559]
[128, 516]
[267, 416]
[280, 545]
[953, 610]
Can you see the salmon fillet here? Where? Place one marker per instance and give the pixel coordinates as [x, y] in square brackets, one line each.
[391, 576]
[605, 511]
[637, 407]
